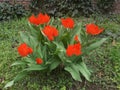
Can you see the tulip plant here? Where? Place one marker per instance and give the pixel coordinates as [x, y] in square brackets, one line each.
[48, 45]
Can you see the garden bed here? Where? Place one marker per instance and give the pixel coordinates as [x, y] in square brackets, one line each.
[104, 61]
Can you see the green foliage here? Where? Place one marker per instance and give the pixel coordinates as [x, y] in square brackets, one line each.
[75, 69]
[101, 60]
[53, 52]
[8, 42]
[106, 57]
[10, 11]
[115, 59]
[58, 8]
[105, 6]
[9, 36]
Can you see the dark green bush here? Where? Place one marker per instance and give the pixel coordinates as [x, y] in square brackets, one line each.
[62, 7]
[10, 11]
[105, 6]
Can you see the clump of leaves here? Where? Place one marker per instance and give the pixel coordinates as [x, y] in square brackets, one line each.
[48, 45]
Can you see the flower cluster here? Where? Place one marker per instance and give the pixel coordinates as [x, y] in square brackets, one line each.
[50, 32]
[40, 19]
[49, 45]
[76, 38]
[24, 50]
[67, 22]
[39, 60]
[93, 29]
[74, 50]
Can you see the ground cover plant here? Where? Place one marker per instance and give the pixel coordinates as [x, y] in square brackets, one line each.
[104, 77]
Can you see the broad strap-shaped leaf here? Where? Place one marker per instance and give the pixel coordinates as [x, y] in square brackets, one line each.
[34, 67]
[73, 70]
[51, 21]
[54, 64]
[21, 75]
[61, 50]
[9, 84]
[61, 32]
[36, 31]
[33, 42]
[75, 31]
[25, 38]
[18, 63]
[60, 46]
[39, 51]
[29, 60]
[33, 31]
[44, 53]
[94, 46]
[84, 71]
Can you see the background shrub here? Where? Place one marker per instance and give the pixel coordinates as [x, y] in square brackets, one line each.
[105, 6]
[62, 7]
[58, 8]
[10, 11]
